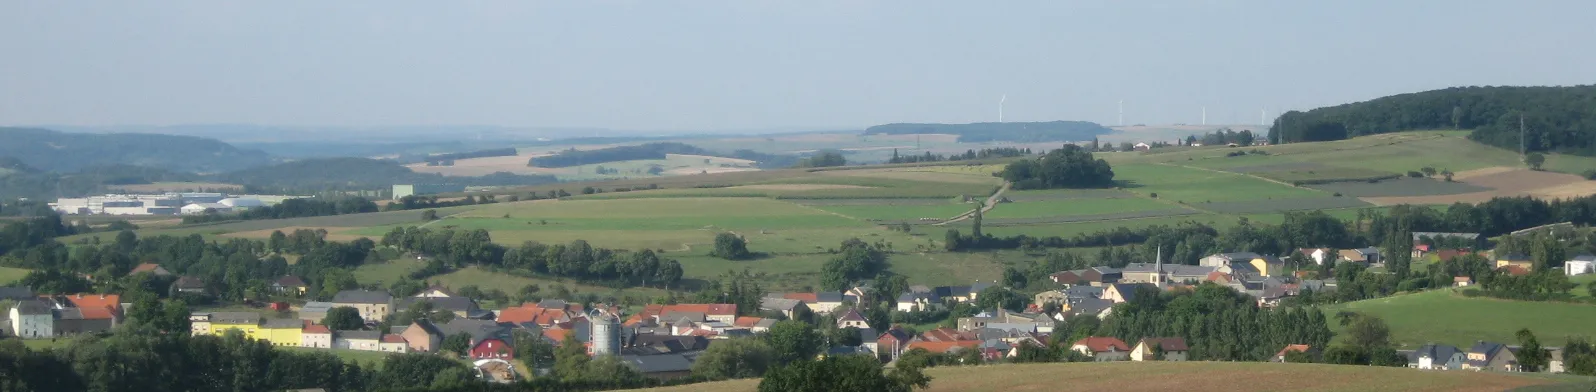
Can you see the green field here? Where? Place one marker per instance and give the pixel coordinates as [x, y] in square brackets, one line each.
[1074, 207]
[901, 212]
[1446, 317]
[9, 275]
[1196, 376]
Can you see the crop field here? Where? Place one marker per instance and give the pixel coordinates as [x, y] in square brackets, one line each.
[1065, 194]
[1325, 174]
[873, 202]
[901, 212]
[1447, 317]
[1190, 376]
[1273, 205]
[1404, 186]
[1189, 185]
[1052, 208]
[9, 275]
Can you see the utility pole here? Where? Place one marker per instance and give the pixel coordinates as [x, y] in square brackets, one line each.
[1522, 153]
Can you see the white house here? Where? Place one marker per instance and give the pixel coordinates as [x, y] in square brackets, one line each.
[1580, 265]
[32, 319]
[1437, 357]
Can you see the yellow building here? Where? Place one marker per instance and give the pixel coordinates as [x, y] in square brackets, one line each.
[282, 332]
[245, 322]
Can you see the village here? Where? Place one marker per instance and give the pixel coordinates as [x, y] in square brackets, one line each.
[662, 341]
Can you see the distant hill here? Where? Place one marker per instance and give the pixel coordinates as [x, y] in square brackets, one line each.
[17, 180]
[1025, 132]
[358, 173]
[1560, 119]
[65, 152]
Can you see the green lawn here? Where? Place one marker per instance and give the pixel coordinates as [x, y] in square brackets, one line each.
[1033, 209]
[9, 275]
[371, 358]
[1445, 317]
[386, 273]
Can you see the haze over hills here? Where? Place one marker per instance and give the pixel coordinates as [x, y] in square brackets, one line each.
[59, 151]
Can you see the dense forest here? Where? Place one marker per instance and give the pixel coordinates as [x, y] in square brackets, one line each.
[1026, 132]
[1068, 167]
[359, 173]
[18, 180]
[493, 152]
[59, 151]
[1557, 119]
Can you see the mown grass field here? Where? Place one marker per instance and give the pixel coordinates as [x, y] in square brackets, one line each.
[1189, 376]
[9, 275]
[1074, 207]
[1446, 317]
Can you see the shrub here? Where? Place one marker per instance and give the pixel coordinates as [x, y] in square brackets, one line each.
[1415, 174]
[1590, 174]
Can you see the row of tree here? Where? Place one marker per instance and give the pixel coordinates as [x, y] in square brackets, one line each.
[578, 259]
[996, 152]
[292, 208]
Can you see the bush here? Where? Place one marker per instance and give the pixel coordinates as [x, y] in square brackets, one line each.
[1415, 174]
[1590, 174]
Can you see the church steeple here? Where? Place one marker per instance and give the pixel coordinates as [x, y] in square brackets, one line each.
[1158, 270]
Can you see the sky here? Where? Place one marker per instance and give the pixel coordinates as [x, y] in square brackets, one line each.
[756, 64]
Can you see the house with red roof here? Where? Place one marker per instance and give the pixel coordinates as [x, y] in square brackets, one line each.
[1295, 348]
[943, 334]
[725, 313]
[949, 347]
[492, 348]
[1160, 349]
[393, 344]
[316, 336]
[152, 268]
[1102, 348]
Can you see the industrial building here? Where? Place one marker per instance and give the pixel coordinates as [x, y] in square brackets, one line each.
[400, 191]
[174, 203]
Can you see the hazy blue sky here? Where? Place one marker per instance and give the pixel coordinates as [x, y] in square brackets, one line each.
[753, 64]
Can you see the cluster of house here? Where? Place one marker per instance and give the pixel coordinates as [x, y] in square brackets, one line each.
[1482, 356]
[1096, 289]
[171, 203]
[43, 317]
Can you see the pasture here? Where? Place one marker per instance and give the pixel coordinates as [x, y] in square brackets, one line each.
[1445, 316]
[10, 275]
[1190, 376]
[1047, 208]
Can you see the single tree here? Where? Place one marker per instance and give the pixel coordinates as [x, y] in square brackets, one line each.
[459, 344]
[730, 247]
[1535, 160]
[734, 358]
[793, 341]
[1531, 356]
[429, 215]
[343, 318]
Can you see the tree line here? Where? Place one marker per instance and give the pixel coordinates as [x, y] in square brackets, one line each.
[459, 248]
[1555, 119]
[574, 157]
[996, 152]
[1024, 132]
[492, 152]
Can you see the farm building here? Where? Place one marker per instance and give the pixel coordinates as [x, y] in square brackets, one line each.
[1579, 265]
[242, 204]
[402, 190]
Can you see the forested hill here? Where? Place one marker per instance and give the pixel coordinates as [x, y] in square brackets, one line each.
[1559, 119]
[358, 173]
[1051, 131]
[64, 152]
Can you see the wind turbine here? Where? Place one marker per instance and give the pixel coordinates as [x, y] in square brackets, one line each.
[1000, 106]
[1122, 112]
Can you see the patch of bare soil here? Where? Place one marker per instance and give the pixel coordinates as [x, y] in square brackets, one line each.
[1504, 183]
[333, 233]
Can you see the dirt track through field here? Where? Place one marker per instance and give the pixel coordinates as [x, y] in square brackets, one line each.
[991, 202]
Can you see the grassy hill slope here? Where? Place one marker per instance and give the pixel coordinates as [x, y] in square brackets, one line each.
[1188, 376]
[1443, 316]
